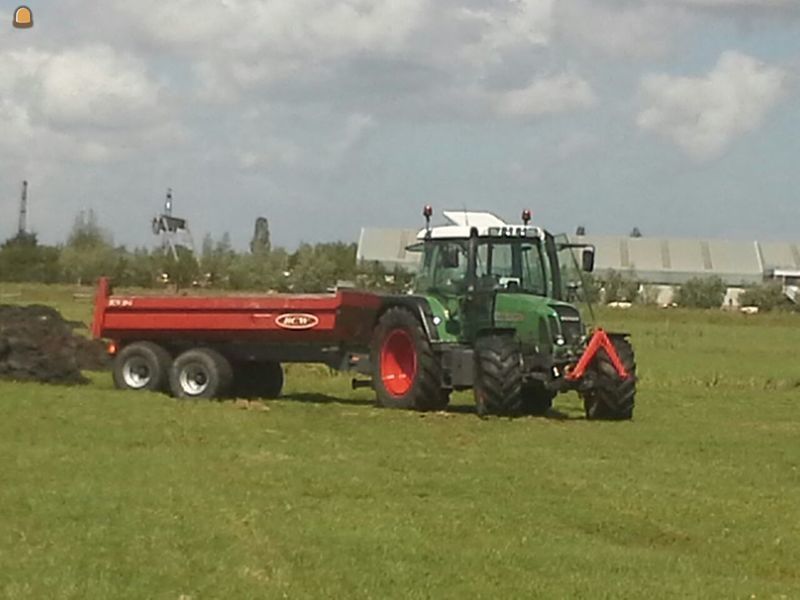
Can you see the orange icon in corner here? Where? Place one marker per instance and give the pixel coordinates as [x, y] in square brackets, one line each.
[23, 18]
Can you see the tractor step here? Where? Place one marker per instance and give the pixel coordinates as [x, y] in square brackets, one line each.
[361, 383]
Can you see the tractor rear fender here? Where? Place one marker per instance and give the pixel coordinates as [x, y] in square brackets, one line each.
[418, 306]
[600, 340]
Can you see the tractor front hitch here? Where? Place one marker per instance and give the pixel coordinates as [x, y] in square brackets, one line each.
[599, 340]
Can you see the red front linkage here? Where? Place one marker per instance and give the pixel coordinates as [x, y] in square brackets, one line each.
[599, 340]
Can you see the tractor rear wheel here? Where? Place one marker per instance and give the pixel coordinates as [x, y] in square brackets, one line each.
[258, 379]
[406, 373]
[498, 376]
[612, 398]
[536, 398]
[142, 366]
[200, 373]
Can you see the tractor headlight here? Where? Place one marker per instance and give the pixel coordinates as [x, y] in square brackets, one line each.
[570, 326]
[555, 329]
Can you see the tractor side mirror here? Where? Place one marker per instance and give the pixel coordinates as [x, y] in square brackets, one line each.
[587, 260]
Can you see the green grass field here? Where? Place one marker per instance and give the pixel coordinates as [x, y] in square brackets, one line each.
[105, 494]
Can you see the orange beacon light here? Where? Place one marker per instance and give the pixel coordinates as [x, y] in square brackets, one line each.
[23, 18]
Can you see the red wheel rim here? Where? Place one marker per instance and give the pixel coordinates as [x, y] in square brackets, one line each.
[398, 363]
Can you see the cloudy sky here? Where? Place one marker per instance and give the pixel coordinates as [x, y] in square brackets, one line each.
[680, 117]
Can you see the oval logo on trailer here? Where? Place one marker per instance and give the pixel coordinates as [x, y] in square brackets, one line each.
[297, 321]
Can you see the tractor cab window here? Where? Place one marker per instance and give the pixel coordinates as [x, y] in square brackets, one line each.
[512, 265]
[444, 267]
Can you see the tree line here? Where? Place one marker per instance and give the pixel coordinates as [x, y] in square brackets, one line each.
[698, 292]
[89, 253]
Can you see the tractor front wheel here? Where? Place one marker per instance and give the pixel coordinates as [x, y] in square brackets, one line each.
[498, 376]
[612, 398]
[406, 372]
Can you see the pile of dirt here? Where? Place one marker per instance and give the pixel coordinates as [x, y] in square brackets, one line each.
[38, 344]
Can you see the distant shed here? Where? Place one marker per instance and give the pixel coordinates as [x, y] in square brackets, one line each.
[388, 247]
[673, 261]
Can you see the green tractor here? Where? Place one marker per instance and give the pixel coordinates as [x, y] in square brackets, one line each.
[490, 312]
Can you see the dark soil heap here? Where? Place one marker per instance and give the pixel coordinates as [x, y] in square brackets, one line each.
[37, 344]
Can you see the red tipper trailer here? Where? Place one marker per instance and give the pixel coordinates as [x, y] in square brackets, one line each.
[200, 346]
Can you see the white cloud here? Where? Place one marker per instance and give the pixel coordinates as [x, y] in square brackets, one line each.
[654, 28]
[95, 86]
[241, 47]
[547, 95]
[89, 103]
[618, 29]
[252, 41]
[704, 115]
[522, 23]
[759, 5]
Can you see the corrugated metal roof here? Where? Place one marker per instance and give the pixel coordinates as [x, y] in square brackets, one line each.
[676, 260]
[388, 247]
[735, 257]
[780, 255]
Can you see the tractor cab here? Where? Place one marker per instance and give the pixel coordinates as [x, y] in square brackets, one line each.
[487, 274]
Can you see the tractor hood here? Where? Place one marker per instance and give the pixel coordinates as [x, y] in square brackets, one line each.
[539, 321]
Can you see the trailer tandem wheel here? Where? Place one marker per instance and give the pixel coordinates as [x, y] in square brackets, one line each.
[142, 366]
[200, 373]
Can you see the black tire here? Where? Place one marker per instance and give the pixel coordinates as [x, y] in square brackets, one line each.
[200, 373]
[498, 376]
[142, 366]
[398, 341]
[612, 398]
[536, 398]
[258, 379]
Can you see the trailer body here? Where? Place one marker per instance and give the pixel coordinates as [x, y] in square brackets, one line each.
[283, 318]
[326, 328]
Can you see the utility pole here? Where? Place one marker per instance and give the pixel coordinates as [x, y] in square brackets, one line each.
[23, 210]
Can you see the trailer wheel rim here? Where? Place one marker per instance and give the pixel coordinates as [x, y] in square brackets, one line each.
[398, 363]
[136, 373]
[194, 379]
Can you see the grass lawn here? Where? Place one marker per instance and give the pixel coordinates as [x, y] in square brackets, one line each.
[105, 494]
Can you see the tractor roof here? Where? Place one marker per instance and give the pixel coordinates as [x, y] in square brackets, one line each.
[488, 225]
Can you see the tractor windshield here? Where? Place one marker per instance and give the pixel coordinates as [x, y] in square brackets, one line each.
[512, 265]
